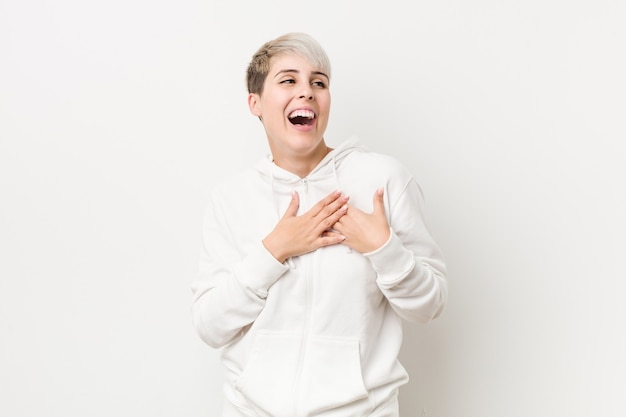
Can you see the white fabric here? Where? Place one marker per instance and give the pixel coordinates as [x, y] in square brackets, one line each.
[318, 335]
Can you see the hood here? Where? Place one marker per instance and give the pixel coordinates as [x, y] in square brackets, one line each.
[283, 180]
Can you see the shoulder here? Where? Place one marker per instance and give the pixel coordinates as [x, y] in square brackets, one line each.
[380, 165]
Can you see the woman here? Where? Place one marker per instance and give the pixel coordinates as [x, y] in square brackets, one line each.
[312, 259]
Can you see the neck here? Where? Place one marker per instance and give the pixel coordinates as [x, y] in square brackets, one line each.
[302, 165]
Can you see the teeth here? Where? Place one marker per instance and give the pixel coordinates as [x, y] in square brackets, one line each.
[302, 113]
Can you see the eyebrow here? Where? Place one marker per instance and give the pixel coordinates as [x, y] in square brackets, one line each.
[287, 71]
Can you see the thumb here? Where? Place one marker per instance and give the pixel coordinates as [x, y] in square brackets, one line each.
[293, 205]
[379, 205]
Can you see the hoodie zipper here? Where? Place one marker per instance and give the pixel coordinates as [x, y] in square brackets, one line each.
[307, 315]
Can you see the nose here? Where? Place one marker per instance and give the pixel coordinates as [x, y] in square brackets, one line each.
[306, 92]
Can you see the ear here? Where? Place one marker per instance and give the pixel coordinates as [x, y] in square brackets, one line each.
[254, 104]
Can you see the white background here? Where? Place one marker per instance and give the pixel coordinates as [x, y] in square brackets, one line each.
[117, 117]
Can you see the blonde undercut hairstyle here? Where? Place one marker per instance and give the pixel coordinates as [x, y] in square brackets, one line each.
[296, 43]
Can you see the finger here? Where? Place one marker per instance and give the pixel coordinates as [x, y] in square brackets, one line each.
[292, 209]
[337, 207]
[327, 222]
[331, 237]
[338, 227]
[325, 203]
[379, 204]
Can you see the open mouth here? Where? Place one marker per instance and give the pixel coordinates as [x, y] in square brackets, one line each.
[302, 117]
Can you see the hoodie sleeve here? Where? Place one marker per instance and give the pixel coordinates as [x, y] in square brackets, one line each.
[231, 285]
[410, 268]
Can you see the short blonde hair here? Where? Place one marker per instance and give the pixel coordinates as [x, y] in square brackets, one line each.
[295, 42]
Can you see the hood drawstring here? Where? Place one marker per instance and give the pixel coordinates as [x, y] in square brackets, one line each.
[279, 215]
[268, 168]
[334, 162]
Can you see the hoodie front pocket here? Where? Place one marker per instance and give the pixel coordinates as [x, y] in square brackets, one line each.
[283, 374]
[267, 382]
[331, 374]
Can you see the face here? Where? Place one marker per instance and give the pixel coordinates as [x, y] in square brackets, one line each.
[294, 107]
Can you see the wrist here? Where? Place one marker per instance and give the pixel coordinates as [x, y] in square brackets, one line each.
[274, 251]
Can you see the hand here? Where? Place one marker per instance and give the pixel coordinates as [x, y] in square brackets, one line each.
[365, 232]
[297, 235]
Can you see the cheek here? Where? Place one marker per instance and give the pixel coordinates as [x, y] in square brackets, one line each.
[271, 108]
[324, 103]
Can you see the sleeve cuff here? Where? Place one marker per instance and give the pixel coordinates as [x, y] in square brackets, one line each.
[259, 271]
[392, 261]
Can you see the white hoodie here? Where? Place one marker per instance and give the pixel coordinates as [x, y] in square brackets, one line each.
[320, 334]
